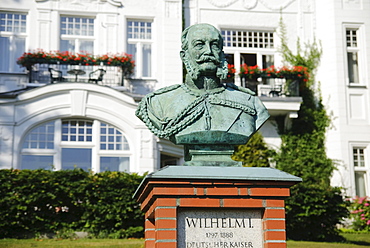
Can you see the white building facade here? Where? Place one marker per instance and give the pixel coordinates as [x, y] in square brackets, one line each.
[93, 126]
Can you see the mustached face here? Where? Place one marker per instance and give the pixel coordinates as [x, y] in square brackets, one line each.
[204, 51]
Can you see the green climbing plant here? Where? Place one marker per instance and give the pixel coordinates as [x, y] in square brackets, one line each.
[314, 208]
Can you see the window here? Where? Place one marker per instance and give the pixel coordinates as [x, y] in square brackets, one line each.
[139, 45]
[12, 40]
[74, 130]
[70, 143]
[38, 148]
[41, 137]
[77, 34]
[76, 157]
[360, 171]
[251, 48]
[114, 164]
[33, 162]
[352, 54]
[167, 160]
[249, 39]
[111, 138]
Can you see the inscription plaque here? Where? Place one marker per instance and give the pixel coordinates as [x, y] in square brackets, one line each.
[219, 228]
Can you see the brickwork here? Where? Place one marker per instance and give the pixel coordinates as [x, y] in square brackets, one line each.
[161, 200]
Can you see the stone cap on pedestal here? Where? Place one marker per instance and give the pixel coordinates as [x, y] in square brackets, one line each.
[219, 173]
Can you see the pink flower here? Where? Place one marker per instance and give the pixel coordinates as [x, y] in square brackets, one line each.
[368, 222]
[361, 199]
[366, 204]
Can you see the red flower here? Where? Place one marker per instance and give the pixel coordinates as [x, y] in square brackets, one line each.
[39, 56]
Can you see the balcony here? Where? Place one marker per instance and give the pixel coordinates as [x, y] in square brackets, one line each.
[278, 89]
[272, 87]
[70, 67]
[279, 95]
[109, 70]
[271, 81]
[113, 77]
[40, 74]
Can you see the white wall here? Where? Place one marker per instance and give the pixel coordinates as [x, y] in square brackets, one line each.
[347, 104]
[77, 100]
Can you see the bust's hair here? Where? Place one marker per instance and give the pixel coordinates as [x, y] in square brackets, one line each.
[184, 35]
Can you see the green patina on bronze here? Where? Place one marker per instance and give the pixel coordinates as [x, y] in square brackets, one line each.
[205, 115]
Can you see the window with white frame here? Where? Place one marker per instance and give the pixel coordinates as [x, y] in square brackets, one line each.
[41, 137]
[12, 40]
[360, 171]
[248, 39]
[77, 130]
[353, 51]
[249, 47]
[76, 143]
[139, 45]
[77, 34]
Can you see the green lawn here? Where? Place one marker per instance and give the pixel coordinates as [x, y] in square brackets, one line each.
[79, 243]
[354, 241]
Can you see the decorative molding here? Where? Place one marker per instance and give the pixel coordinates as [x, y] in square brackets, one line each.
[172, 9]
[117, 3]
[78, 102]
[352, 4]
[351, 1]
[250, 4]
[222, 3]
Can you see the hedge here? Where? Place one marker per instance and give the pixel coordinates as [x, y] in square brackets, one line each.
[36, 202]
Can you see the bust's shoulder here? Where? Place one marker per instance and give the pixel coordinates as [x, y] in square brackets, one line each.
[164, 90]
[161, 94]
[240, 89]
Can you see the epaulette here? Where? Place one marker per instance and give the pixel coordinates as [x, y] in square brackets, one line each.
[166, 89]
[240, 88]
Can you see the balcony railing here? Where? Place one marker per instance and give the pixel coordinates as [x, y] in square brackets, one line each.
[271, 81]
[272, 87]
[40, 74]
[113, 77]
[76, 67]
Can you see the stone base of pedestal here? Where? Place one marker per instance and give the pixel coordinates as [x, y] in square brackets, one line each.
[215, 207]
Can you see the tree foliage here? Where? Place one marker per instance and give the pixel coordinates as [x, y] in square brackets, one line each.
[34, 202]
[255, 153]
[314, 208]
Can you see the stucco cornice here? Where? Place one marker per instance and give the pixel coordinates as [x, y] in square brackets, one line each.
[55, 89]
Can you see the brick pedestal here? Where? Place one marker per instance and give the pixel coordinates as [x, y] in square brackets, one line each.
[163, 193]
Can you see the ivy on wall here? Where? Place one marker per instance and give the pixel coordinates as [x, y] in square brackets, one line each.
[314, 208]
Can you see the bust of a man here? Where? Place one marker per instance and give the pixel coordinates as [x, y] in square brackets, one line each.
[203, 114]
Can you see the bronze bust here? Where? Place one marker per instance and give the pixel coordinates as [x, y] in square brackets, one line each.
[203, 114]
